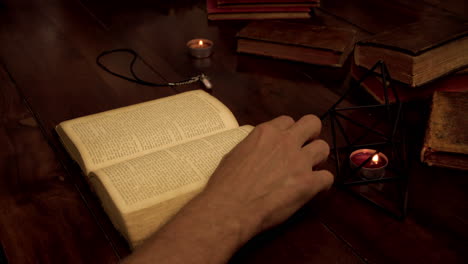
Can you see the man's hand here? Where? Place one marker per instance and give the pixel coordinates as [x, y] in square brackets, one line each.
[261, 182]
[269, 175]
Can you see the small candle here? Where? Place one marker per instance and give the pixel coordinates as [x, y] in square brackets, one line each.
[200, 48]
[374, 168]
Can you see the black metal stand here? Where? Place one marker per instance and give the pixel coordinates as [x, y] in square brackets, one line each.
[390, 141]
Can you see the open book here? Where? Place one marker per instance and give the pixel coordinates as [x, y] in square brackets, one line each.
[146, 161]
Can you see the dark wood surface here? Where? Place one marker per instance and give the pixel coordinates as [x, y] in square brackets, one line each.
[48, 74]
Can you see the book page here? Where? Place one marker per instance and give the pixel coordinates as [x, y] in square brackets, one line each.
[99, 140]
[151, 179]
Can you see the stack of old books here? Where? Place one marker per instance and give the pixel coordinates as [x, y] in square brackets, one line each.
[426, 58]
[259, 9]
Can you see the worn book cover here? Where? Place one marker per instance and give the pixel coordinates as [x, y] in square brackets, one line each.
[239, 13]
[267, 3]
[222, 2]
[457, 82]
[297, 41]
[419, 52]
[446, 141]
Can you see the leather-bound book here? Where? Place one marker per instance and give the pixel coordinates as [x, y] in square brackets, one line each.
[297, 41]
[446, 141]
[419, 52]
[254, 13]
[456, 82]
[268, 3]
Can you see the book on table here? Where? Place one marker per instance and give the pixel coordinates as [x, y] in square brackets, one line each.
[446, 140]
[267, 3]
[252, 12]
[456, 82]
[417, 53]
[301, 42]
[146, 161]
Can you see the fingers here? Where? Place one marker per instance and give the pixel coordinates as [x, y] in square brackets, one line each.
[282, 122]
[323, 180]
[308, 127]
[316, 151]
[316, 182]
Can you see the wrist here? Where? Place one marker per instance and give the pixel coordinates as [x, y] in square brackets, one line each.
[202, 225]
[231, 216]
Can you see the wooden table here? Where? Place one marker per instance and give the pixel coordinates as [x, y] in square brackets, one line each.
[48, 74]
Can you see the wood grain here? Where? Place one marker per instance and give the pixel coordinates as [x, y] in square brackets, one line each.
[49, 215]
[42, 215]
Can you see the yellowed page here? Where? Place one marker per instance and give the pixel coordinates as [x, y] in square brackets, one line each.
[150, 186]
[106, 138]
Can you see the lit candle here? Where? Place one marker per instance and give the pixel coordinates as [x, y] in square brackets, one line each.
[374, 168]
[200, 48]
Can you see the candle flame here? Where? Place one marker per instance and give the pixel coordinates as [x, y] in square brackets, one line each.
[200, 42]
[375, 159]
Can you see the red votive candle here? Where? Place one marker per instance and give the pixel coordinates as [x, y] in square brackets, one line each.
[200, 48]
[374, 168]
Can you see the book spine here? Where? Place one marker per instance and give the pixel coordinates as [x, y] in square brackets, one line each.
[258, 16]
[426, 150]
[259, 6]
[227, 2]
[212, 8]
[288, 52]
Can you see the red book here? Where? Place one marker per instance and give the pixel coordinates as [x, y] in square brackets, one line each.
[215, 13]
[264, 1]
[270, 3]
[373, 85]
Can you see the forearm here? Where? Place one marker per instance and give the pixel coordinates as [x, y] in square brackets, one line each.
[260, 183]
[202, 232]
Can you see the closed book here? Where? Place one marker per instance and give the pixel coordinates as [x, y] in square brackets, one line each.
[446, 141]
[457, 82]
[215, 13]
[268, 3]
[297, 41]
[419, 52]
[224, 2]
